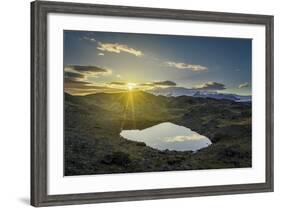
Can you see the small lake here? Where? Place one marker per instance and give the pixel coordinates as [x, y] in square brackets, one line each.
[169, 136]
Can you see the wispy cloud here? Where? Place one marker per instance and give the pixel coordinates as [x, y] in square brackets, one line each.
[118, 48]
[244, 85]
[88, 39]
[210, 86]
[84, 88]
[113, 47]
[187, 66]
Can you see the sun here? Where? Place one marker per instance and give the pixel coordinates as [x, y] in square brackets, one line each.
[131, 86]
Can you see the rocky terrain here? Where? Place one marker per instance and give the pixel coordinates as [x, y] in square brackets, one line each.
[93, 145]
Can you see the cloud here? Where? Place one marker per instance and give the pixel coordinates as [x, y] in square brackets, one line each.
[147, 84]
[88, 39]
[73, 83]
[210, 86]
[244, 85]
[78, 87]
[91, 90]
[165, 83]
[113, 47]
[192, 67]
[69, 74]
[121, 84]
[86, 69]
[118, 48]
[76, 79]
[118, 83]
[92, 71]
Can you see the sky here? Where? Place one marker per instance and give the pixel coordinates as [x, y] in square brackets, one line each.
[112, 62]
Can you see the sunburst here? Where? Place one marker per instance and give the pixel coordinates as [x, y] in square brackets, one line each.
[131, 86]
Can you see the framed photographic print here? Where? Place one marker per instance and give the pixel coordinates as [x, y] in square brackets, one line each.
[131, 103]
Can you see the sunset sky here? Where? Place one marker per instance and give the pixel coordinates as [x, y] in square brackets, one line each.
[113, 62]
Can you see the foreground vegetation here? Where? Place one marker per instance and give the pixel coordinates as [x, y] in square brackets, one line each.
[93, 123]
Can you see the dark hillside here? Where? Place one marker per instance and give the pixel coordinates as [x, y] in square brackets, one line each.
[93, 123]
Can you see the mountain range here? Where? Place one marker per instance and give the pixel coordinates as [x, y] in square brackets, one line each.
[181, 91]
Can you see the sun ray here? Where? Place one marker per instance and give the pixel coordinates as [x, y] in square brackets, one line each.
[132, 104]
[128, 114]
[124, 113]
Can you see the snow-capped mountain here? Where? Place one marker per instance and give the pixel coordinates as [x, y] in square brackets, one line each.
[220, 96]
[181, 91]
[173, 91]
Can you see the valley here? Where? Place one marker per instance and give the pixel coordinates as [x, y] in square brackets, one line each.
[93, 145]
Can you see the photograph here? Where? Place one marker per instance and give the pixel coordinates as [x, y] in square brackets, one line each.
[155, 102]
[132, 103]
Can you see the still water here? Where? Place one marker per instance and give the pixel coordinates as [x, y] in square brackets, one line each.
[169, 136]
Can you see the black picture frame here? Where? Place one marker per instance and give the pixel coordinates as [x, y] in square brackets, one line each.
[39, 98]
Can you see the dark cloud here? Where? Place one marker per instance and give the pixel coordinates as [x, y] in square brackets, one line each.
[86, 69]
[118, 83]
[147, 84]
[165, 83]
[78, 87]
[211, 86]
[93, 87]
[93, 90]
[159, 83]
[73, 75]
[73, 82]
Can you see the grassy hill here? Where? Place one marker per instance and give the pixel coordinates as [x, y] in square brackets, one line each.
[93, 123]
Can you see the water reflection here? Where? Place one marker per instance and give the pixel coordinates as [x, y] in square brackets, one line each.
[169, 136]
